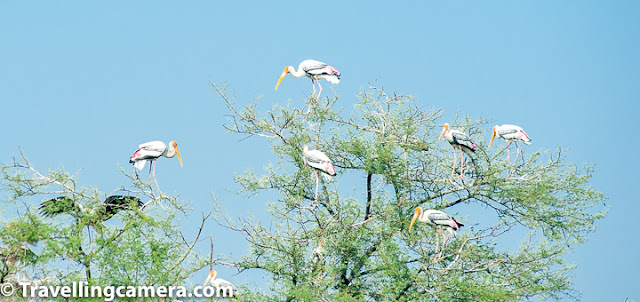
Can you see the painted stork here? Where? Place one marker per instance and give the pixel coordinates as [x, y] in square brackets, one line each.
[151, 151]
[222, 286]
[315, 70]
[510, 133]
[460, 140]
[319, 162]
[438, 220]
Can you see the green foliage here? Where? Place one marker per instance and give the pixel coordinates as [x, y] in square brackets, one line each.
[62, 233]
[352, 245]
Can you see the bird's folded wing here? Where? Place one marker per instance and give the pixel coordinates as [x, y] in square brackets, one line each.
[439, 218]
[463, 139]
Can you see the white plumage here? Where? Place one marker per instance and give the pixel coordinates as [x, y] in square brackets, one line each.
[438, 220]
[319, 162]
[151, 151]
[510, 133]
[315, 70]
[223, 286]
[460, 140]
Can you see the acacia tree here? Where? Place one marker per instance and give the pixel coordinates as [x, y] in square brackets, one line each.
[352, 244]
[55, 232]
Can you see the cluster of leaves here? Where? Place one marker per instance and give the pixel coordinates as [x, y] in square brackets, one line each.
[352, 244]
[59, 232]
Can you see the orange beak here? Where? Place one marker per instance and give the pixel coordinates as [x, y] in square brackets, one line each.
[492, 137]
[445, 127]
[415, 216]
[212, 274]
[178, 153]
[284, 73]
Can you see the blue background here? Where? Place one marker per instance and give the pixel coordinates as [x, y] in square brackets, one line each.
[83, 83]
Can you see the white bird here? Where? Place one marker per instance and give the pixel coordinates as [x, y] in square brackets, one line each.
[315, 70]
[460, 140]
[318, 161]
[510, 133]
[151, 151]
[222, 286]
[438, 220]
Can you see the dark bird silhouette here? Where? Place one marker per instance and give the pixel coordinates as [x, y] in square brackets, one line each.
[105, 210]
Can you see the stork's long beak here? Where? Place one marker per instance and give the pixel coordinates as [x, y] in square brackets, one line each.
[284, 73]
[415, 216]
[492, 137]
[444, 129]
[179, 158]
[211, 274]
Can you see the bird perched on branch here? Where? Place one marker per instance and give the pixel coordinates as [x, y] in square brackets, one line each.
[438, 220]
[319, 162]
[315, 70]
[510, 133]
[151, 151]
[461, 141]
[105, 210]
[89, 216]
[224, 287]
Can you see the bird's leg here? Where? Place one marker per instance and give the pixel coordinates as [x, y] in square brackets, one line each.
[455, 158]
[313, 83]
[320, 91]
[508, 143]
[157, 186]
[150, 165]
[461, 161]
[317, 184]
[155, 179]
[435, 253]
[154, 169]
[444, 242]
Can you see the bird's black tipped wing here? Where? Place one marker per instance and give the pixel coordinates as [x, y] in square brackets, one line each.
[317, 68]
[463, 140]
[115, 203]
[59, 205]
[507, 131]
[313, 67]
[439, 218]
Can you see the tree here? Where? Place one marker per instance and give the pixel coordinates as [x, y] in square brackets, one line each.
[59, 232]
[352, 244]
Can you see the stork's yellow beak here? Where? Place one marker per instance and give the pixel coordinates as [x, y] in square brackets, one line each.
[284, 73]
[445, 127]
[179, 158]
[492, 137]
[415, 216]
[208, 278]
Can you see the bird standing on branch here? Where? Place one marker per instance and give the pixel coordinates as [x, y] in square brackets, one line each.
[222, 286]
[315, 70]
[510, 133]
[461, 141]
[319, 162]
[438, 220]
[151, 151]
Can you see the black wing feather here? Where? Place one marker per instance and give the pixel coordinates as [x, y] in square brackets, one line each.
[59, 205]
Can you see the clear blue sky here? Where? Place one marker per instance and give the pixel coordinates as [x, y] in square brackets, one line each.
[80, 82]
